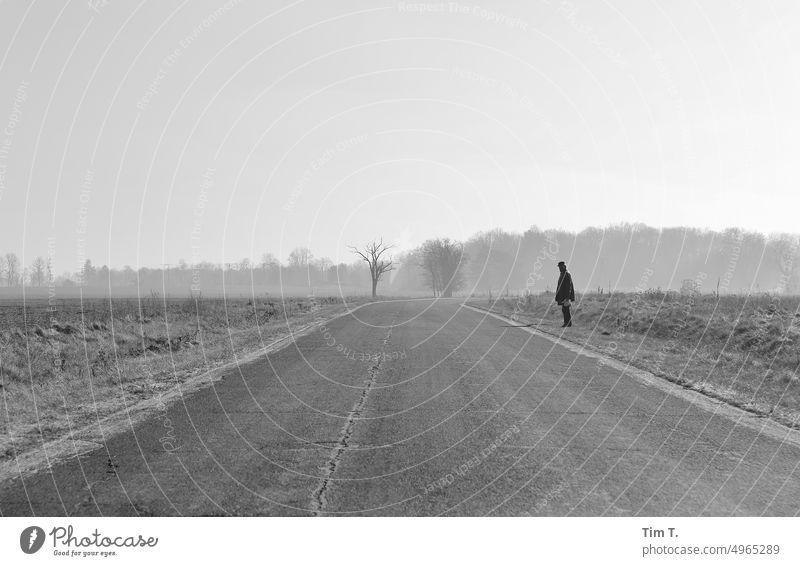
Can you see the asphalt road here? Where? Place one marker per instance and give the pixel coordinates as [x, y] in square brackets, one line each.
[453, 414]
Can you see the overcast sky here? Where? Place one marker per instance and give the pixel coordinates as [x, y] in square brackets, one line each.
[141, 133]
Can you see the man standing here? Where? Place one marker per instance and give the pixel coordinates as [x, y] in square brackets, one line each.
[565, 293]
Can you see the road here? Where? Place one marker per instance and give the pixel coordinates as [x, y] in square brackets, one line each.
[453, 414]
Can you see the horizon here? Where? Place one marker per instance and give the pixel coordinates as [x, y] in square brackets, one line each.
[621, 257]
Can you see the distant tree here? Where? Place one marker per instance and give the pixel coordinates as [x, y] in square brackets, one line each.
[322, 266]
[784, 251]
[270, 268]
[268, 261]
[442, 260]
[373, 253]
[300, 257]
[491, 265]
[128, 276]
[12, 269]
[410, 277]
[427, 257]
[65, 280]
[38, 272]
[103, 276]
[88, 273]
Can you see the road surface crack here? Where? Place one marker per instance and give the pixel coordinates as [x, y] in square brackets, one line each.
[318, 499]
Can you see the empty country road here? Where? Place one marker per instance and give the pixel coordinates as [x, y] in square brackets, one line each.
[425, 407]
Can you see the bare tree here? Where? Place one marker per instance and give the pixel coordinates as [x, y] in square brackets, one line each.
[428, 255]
[297, 268]
[323, 265]
[442, 260]
[12, 269]
[88, 274]
[372, 253]
[38, 271]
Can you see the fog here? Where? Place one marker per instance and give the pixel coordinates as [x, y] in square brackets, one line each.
[623, 257]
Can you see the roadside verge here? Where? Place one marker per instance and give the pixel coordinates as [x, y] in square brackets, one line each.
[759, 423]
[94, 435]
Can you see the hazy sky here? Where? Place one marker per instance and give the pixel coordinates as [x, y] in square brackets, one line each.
[143, 132]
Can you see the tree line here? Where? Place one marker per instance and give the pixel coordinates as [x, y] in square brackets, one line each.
[14, 274]
[301, 269]
[620, 257]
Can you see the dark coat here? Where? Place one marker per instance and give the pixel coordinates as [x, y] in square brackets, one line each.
[565, 290]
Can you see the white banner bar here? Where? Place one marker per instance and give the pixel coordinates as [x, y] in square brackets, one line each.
[389, 541]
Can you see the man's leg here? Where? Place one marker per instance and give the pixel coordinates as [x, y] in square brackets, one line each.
[567, 316]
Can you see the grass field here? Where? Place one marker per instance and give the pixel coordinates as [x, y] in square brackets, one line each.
[68, 362]
[742, 349]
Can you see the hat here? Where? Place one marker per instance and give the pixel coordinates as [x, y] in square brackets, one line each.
[562, 263]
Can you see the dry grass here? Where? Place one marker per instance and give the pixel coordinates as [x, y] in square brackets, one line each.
[61, 368]
[743, 349]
